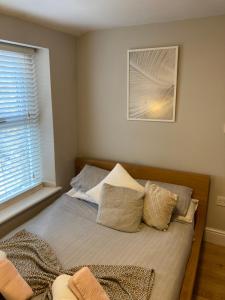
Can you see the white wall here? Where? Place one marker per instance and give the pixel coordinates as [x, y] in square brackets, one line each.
[196, 142]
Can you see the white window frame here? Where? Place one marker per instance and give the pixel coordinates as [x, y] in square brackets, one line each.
[46, 122]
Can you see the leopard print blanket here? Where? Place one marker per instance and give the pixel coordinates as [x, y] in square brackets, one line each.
[39, 266]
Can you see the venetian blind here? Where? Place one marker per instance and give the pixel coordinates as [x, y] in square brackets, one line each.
[20, 167]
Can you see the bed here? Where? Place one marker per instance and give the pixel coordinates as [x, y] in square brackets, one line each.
[70, 228]
[200, 184]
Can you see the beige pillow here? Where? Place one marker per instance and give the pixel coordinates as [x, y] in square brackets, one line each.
[117, 177]
[120, 208]
[159, 204]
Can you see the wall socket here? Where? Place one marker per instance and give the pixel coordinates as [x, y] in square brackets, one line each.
[220, 200]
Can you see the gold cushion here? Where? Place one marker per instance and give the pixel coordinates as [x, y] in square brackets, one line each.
[159, 204]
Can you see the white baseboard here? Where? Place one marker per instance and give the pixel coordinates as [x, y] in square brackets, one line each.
[214, 236]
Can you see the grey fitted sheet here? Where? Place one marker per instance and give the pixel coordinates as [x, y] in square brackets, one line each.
[69, 226]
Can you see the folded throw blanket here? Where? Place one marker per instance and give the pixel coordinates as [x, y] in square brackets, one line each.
[85, 286]
[12, 285]
[39, 266]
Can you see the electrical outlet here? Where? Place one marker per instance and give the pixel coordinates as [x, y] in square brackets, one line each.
[220, 200]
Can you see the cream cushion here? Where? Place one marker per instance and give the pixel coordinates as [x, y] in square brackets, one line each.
[117, 177]
[61, 290]
[189, 217]
[159, 204]
[2, 255]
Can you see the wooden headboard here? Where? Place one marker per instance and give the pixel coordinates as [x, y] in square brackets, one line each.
[198, 182]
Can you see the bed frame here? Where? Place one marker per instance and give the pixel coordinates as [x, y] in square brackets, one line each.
[200, 184]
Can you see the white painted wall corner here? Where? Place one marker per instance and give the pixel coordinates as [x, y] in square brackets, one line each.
[214, 236]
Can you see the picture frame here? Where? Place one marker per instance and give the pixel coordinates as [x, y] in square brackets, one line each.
[152, 84]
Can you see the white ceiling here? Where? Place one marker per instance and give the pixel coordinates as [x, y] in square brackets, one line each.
[79, 16]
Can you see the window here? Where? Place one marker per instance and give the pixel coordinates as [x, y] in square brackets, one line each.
[20, 158]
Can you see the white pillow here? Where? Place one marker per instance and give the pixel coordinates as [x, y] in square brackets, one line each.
[117, 177]
[189, 217]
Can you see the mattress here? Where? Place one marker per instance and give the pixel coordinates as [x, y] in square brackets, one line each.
[69, 226]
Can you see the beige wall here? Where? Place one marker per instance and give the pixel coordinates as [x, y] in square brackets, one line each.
[196, 142]
[62, 49]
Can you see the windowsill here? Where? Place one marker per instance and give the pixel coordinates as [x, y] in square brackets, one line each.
[27, 202]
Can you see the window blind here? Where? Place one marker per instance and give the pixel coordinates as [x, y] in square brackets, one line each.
[20, 159]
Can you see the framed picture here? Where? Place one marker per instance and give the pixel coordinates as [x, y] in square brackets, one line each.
[151, 84]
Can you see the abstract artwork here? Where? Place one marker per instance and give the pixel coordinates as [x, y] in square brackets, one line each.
[151, 86]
